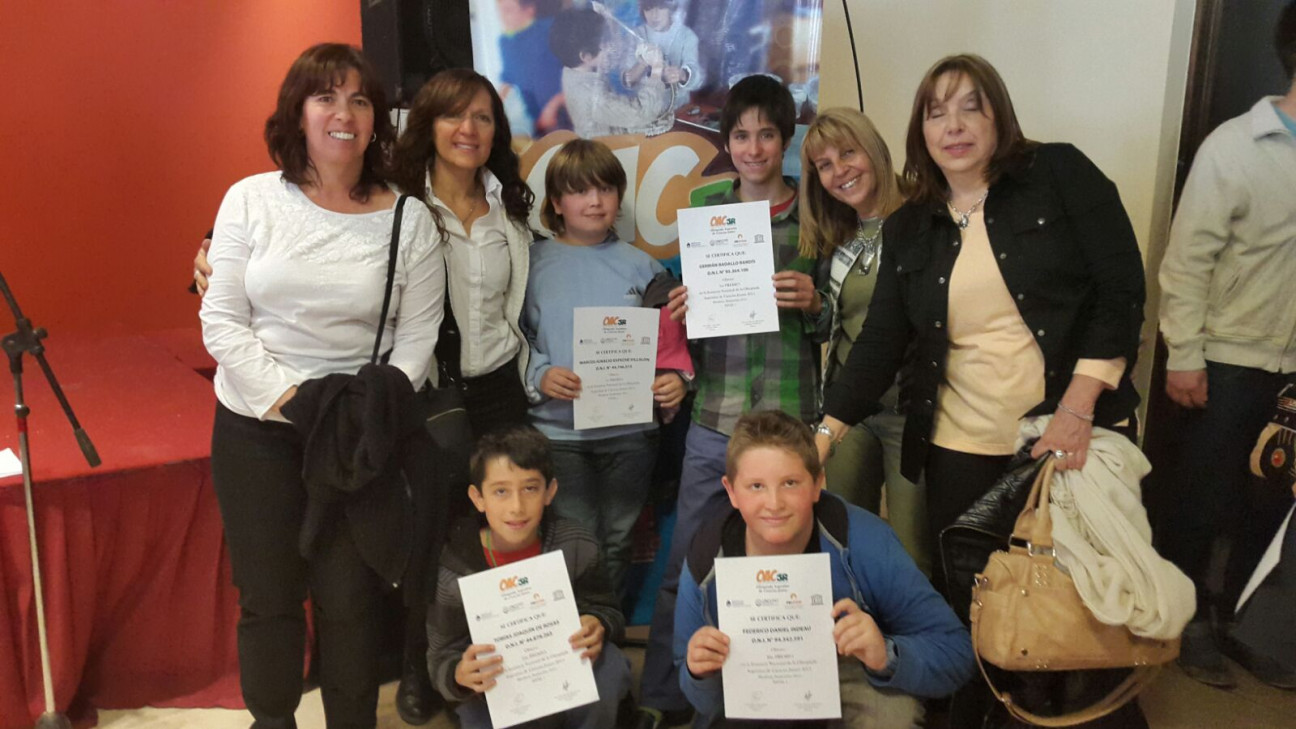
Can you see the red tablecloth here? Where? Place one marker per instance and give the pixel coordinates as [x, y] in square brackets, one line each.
[138, 597]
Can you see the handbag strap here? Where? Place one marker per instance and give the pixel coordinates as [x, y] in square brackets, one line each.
[449, 345]
[1140, 678]
[1035, 523]
[391, 276]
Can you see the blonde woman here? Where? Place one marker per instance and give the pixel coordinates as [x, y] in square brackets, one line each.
[848, 189]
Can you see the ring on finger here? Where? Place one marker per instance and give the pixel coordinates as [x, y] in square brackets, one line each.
[1059, 454]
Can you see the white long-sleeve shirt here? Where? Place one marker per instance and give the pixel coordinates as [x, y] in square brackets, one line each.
[296, 292]
[481, 271]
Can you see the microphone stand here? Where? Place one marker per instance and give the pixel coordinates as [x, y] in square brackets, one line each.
[27, 340]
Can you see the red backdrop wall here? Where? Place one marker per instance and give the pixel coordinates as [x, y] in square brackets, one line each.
[126, 122]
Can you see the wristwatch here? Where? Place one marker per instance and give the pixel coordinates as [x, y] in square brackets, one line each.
[823, 429]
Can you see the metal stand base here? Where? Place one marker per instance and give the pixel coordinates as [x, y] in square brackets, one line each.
[53, 721]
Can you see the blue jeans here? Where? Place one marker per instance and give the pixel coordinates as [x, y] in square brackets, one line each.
[701, 495]
[604, 484]
[1217, 495]
[611, 676]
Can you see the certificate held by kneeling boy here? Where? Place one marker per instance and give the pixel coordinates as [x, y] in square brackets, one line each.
[777, 612]
[526, 610]
[525, 622]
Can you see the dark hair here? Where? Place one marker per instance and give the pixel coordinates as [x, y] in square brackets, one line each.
[923, 177]
[450, 92]
[526, 447]
[575, 32]
[650, 4]
[320, 68]
[577, 166]
[764, 93]
[772, 429]
[1285, 39]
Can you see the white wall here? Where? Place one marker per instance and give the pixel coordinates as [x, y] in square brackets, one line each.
[1105, 75]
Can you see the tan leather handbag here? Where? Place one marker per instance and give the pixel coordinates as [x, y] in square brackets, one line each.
[1027, 616]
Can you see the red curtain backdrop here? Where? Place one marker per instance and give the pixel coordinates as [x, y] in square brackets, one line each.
[129, 120]
[139, 602]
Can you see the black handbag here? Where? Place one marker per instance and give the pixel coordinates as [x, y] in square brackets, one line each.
[986, 527]
[444, 409]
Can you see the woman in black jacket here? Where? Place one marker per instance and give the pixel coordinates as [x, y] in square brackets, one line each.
[1014, 282]
[1012, 286]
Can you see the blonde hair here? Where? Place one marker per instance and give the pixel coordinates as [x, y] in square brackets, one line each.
[827, 222]
[577, 166]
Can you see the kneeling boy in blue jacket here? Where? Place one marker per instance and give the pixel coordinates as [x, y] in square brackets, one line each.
[897, 640]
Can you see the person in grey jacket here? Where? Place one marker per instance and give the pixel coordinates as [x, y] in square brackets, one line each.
[1228, 315]
[513, 482]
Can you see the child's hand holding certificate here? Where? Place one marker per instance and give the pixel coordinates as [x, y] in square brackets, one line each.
[727, 261]
[527, 612]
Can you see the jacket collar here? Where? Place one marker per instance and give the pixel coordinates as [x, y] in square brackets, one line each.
[1264, 118]
[465, 544]
[938, 210]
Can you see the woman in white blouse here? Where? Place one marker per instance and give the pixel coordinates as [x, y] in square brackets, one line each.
[457, 148]
[300, 264]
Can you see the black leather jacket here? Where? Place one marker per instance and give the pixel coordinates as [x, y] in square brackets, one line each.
[1067, 252]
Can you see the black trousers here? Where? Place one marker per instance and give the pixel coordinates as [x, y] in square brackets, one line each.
[1217, 495]
[256, 471]
[495, 400]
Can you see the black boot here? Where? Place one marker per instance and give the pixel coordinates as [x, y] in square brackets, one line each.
[416, 701]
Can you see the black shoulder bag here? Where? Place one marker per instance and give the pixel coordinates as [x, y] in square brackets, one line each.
[447, 417]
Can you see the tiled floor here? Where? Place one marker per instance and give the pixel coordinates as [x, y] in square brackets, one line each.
[1174, 702]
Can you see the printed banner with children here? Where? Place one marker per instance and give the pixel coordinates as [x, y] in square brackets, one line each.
[648, 78]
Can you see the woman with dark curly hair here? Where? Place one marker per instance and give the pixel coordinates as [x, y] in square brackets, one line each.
[456, 155]
[300, 261]
[457, 152]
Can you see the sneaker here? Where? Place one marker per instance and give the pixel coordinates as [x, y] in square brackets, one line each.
[1265, 669]
[1200, 657]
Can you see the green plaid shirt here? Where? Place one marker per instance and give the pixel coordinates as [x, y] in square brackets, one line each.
[770, 371]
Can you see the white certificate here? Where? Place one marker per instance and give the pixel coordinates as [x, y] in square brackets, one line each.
[727, 260]
[777, 612]
[614, 352]
[527, 610]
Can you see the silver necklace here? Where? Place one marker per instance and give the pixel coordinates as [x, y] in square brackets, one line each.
[962, 216]
[869, 248]
[471, 209]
